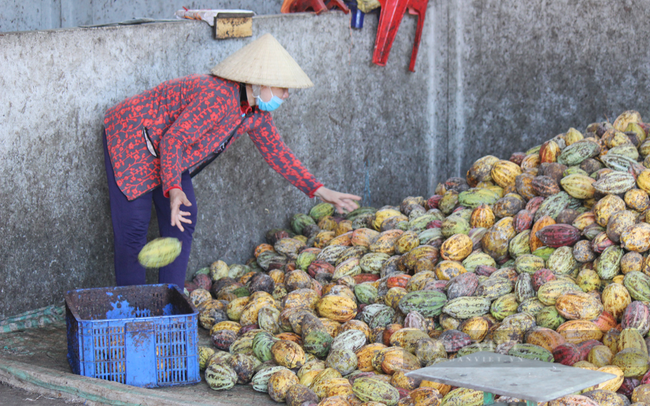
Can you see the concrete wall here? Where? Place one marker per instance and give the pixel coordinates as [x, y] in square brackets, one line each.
[492, 77]
[359, 124]
[21, 15]
[520, 72]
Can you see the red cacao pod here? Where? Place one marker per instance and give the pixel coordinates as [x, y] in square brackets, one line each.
[558, 235]
[566, 354]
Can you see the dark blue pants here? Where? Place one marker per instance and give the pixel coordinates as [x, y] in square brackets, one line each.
[131, 222]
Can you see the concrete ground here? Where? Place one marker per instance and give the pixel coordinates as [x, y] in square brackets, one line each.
[34, 371]
[12, 396]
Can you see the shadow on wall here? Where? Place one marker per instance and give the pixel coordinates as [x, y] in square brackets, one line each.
[21, 15]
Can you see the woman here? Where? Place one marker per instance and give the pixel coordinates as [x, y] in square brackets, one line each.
[156, 141]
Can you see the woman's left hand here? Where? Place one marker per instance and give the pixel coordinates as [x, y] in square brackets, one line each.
[342, 201]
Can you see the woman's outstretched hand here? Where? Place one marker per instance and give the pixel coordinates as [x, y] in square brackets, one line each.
[342, 201]
[176, 198]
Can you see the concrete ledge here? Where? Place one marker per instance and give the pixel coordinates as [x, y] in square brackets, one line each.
[94, 392]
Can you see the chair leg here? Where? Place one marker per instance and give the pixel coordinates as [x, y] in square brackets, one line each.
[390, 18]
[418, 7]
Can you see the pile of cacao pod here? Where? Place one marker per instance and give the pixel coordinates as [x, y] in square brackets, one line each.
[542, 256]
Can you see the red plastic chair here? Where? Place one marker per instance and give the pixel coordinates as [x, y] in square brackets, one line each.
[317, 6]
[390, 18]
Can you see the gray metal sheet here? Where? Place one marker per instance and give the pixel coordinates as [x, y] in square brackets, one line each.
[512, 376]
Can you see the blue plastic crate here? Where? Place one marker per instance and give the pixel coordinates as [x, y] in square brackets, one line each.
[143, 336]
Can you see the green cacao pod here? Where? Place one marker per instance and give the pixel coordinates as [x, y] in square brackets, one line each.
[427, 303]
[615, 183]
[578, 186]
[317, 343]
[550, 291]
[374, 390]
[262, 343]
[159, 252]
[552, 206]
[476, 259]
[467, 306]
[578, 152]
[463, 397]
[220, 376]
[561, 261]
[529, 264]
[475, 197]
[632, 361]
[531, 351]
[609, 263]
[494, 287]
[638, 286]
[321, 210]
[261, 378]
[299, 221]
[504, 306]
[549, 317]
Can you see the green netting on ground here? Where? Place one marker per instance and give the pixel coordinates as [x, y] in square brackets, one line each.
[33, 319]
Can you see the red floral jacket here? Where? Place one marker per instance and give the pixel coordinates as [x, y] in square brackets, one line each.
[178, 125]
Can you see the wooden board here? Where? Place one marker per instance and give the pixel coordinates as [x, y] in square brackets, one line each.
[233, 26]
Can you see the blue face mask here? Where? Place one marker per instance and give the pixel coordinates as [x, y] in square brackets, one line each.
[270, 105]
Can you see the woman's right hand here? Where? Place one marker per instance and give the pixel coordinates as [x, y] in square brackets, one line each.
[342, 201]
[177, 198]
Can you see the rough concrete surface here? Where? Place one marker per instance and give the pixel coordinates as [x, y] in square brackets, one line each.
[13, 396]
[21, 15]
[35, 361]
[359, 125]
[522, 72]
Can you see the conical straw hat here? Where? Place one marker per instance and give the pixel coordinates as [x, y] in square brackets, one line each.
[263, 62]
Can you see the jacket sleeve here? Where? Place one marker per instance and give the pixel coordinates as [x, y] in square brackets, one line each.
[195, 121]
[276, 153]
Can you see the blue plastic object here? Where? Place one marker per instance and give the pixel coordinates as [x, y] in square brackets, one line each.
[144, 336]
[356, 18]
